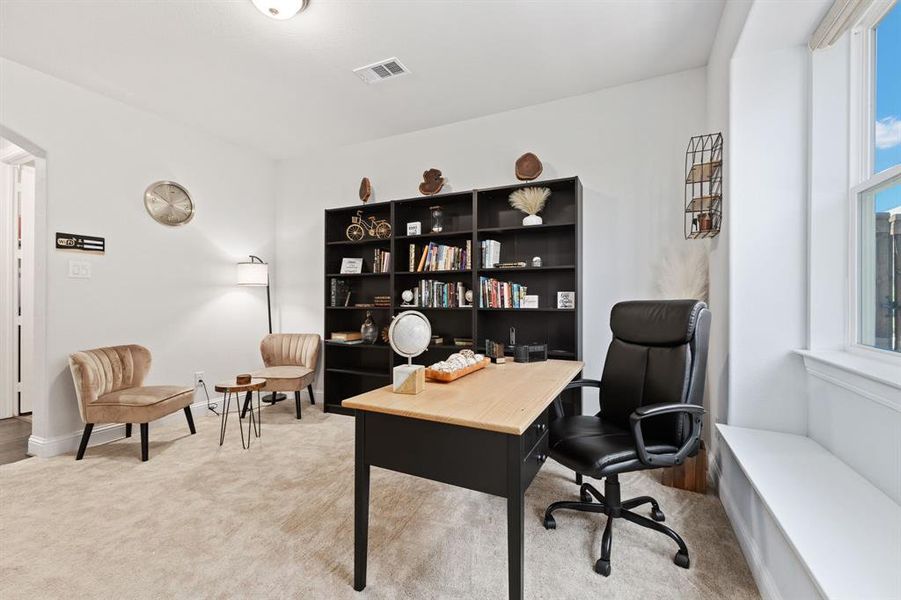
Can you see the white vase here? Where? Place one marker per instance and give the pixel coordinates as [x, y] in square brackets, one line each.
[532, 220]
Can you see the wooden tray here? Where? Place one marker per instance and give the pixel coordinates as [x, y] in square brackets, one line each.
[448, 377]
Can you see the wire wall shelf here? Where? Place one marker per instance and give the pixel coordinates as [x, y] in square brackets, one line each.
[703, 186]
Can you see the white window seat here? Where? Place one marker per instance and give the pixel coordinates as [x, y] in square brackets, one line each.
[845, 531]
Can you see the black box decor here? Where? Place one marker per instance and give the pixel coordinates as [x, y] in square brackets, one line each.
[440, 273]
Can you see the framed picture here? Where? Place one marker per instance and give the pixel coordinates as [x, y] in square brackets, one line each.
[566, 300]
[530, 301]
[351, 266]
[414, 228]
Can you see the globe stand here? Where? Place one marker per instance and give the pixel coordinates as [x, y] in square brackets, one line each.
[409, 335]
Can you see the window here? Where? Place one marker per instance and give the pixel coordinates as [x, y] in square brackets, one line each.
[878, 195]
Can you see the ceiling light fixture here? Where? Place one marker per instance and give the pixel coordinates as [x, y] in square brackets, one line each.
[280, 9]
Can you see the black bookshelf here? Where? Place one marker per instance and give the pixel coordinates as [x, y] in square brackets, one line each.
[473, 216]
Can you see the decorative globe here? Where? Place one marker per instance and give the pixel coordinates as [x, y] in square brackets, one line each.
[410, 333]
[407, 295]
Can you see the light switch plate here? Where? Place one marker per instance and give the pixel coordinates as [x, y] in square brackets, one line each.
[79, 269]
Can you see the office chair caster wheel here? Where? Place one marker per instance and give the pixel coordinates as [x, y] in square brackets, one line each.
[585, 496]
[602, 567]
[681, 559]
[549, 522]
[657, 515]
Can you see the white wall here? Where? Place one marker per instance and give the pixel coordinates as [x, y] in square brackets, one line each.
[768, 242]
[170, 289]
[626, 144]
[718, 81]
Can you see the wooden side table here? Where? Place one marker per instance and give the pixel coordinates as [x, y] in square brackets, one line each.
[230, 389]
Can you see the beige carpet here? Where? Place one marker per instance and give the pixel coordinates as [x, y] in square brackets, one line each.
[276, 521]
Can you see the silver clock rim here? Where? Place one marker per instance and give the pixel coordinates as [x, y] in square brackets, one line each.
[156, 184]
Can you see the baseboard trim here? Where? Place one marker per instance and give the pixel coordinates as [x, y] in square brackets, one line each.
[766, 584]
[102, 434]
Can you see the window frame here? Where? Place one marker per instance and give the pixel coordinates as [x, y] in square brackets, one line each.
[862, 102]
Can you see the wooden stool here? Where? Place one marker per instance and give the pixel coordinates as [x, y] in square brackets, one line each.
[230, 389]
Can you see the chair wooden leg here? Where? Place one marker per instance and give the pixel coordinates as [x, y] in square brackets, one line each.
[297, 402]
[145, 434]
[128, 430]
[312, 397]
[190, 419]
[84, 440]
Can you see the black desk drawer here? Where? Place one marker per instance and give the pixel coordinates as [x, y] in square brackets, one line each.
[537, 429]
[534, 459]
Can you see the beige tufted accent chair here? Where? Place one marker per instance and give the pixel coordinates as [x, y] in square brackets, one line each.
[109, 388]
[290, 360]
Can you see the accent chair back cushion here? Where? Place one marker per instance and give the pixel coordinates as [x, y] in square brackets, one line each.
[104, 370]
[290, 350]
[658, 354]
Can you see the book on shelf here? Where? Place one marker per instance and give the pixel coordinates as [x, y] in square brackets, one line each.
[491, 253]
[347, 342]
[339, 293]
[500, 294]
[346, 336]
[462, 341]
[382, 301]
[381, 261]
[436, 340]
[440, 294]
[439, 257]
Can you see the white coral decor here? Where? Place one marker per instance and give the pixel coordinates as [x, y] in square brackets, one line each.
[530, 200]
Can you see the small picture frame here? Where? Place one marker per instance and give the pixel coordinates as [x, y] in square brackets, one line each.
[566, 300]
[414, 228]
[530, 301]
[351, 266]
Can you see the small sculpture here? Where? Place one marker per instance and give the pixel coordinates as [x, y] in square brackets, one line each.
[528, 167]
[369, 330]
[359, 227]
[432, 182]
[536, 261]
[365, 189]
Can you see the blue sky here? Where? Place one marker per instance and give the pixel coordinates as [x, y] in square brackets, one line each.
[888, 102]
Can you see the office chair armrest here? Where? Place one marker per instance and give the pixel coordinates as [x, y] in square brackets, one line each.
[557, 406]
[580, 383]
[653, 410]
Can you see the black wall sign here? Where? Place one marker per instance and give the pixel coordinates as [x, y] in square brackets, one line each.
[85, 243]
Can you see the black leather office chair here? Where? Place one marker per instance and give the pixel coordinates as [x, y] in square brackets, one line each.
[650, 397]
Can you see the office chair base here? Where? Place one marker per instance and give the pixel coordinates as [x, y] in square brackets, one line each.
[610, 504]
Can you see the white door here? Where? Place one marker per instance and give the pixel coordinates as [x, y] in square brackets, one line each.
[25, 190]
[8, 296]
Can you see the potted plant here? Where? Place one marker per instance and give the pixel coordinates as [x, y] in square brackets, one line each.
[530, 200]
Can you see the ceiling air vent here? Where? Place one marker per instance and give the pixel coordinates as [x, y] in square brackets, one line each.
[382, 70]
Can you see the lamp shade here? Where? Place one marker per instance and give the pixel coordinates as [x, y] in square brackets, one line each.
[253, 273]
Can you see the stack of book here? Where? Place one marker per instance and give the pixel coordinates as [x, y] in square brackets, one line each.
[438, 257]
[439, 294]
[381, 261]
[463, 342]
[340, 293]
[500, 294]
[491, 253]
[382, 301]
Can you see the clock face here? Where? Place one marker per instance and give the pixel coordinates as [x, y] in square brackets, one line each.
[168, 203]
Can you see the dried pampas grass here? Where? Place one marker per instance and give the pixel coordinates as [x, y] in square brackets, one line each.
[684, 271]
[530, 200]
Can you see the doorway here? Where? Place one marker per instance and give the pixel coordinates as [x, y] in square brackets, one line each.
[18, 188]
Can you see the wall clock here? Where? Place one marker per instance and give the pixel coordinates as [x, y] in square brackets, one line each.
[168, 203]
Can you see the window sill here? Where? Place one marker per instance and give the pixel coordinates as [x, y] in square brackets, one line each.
[878, 380]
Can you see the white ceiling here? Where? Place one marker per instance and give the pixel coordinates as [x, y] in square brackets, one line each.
[286, 87]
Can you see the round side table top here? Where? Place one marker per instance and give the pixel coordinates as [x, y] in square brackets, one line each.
[230, 386]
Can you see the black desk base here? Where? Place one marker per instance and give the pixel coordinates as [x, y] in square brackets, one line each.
[485, 461]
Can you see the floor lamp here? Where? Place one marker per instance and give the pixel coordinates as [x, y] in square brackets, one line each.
[255, 273]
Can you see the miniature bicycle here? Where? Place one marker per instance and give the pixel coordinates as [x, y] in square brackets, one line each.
[359, 227]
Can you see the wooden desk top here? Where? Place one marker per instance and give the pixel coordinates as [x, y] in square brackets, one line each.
[504, 398]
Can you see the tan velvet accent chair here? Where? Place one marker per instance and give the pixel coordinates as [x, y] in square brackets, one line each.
[109, 385]
[290, 360]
